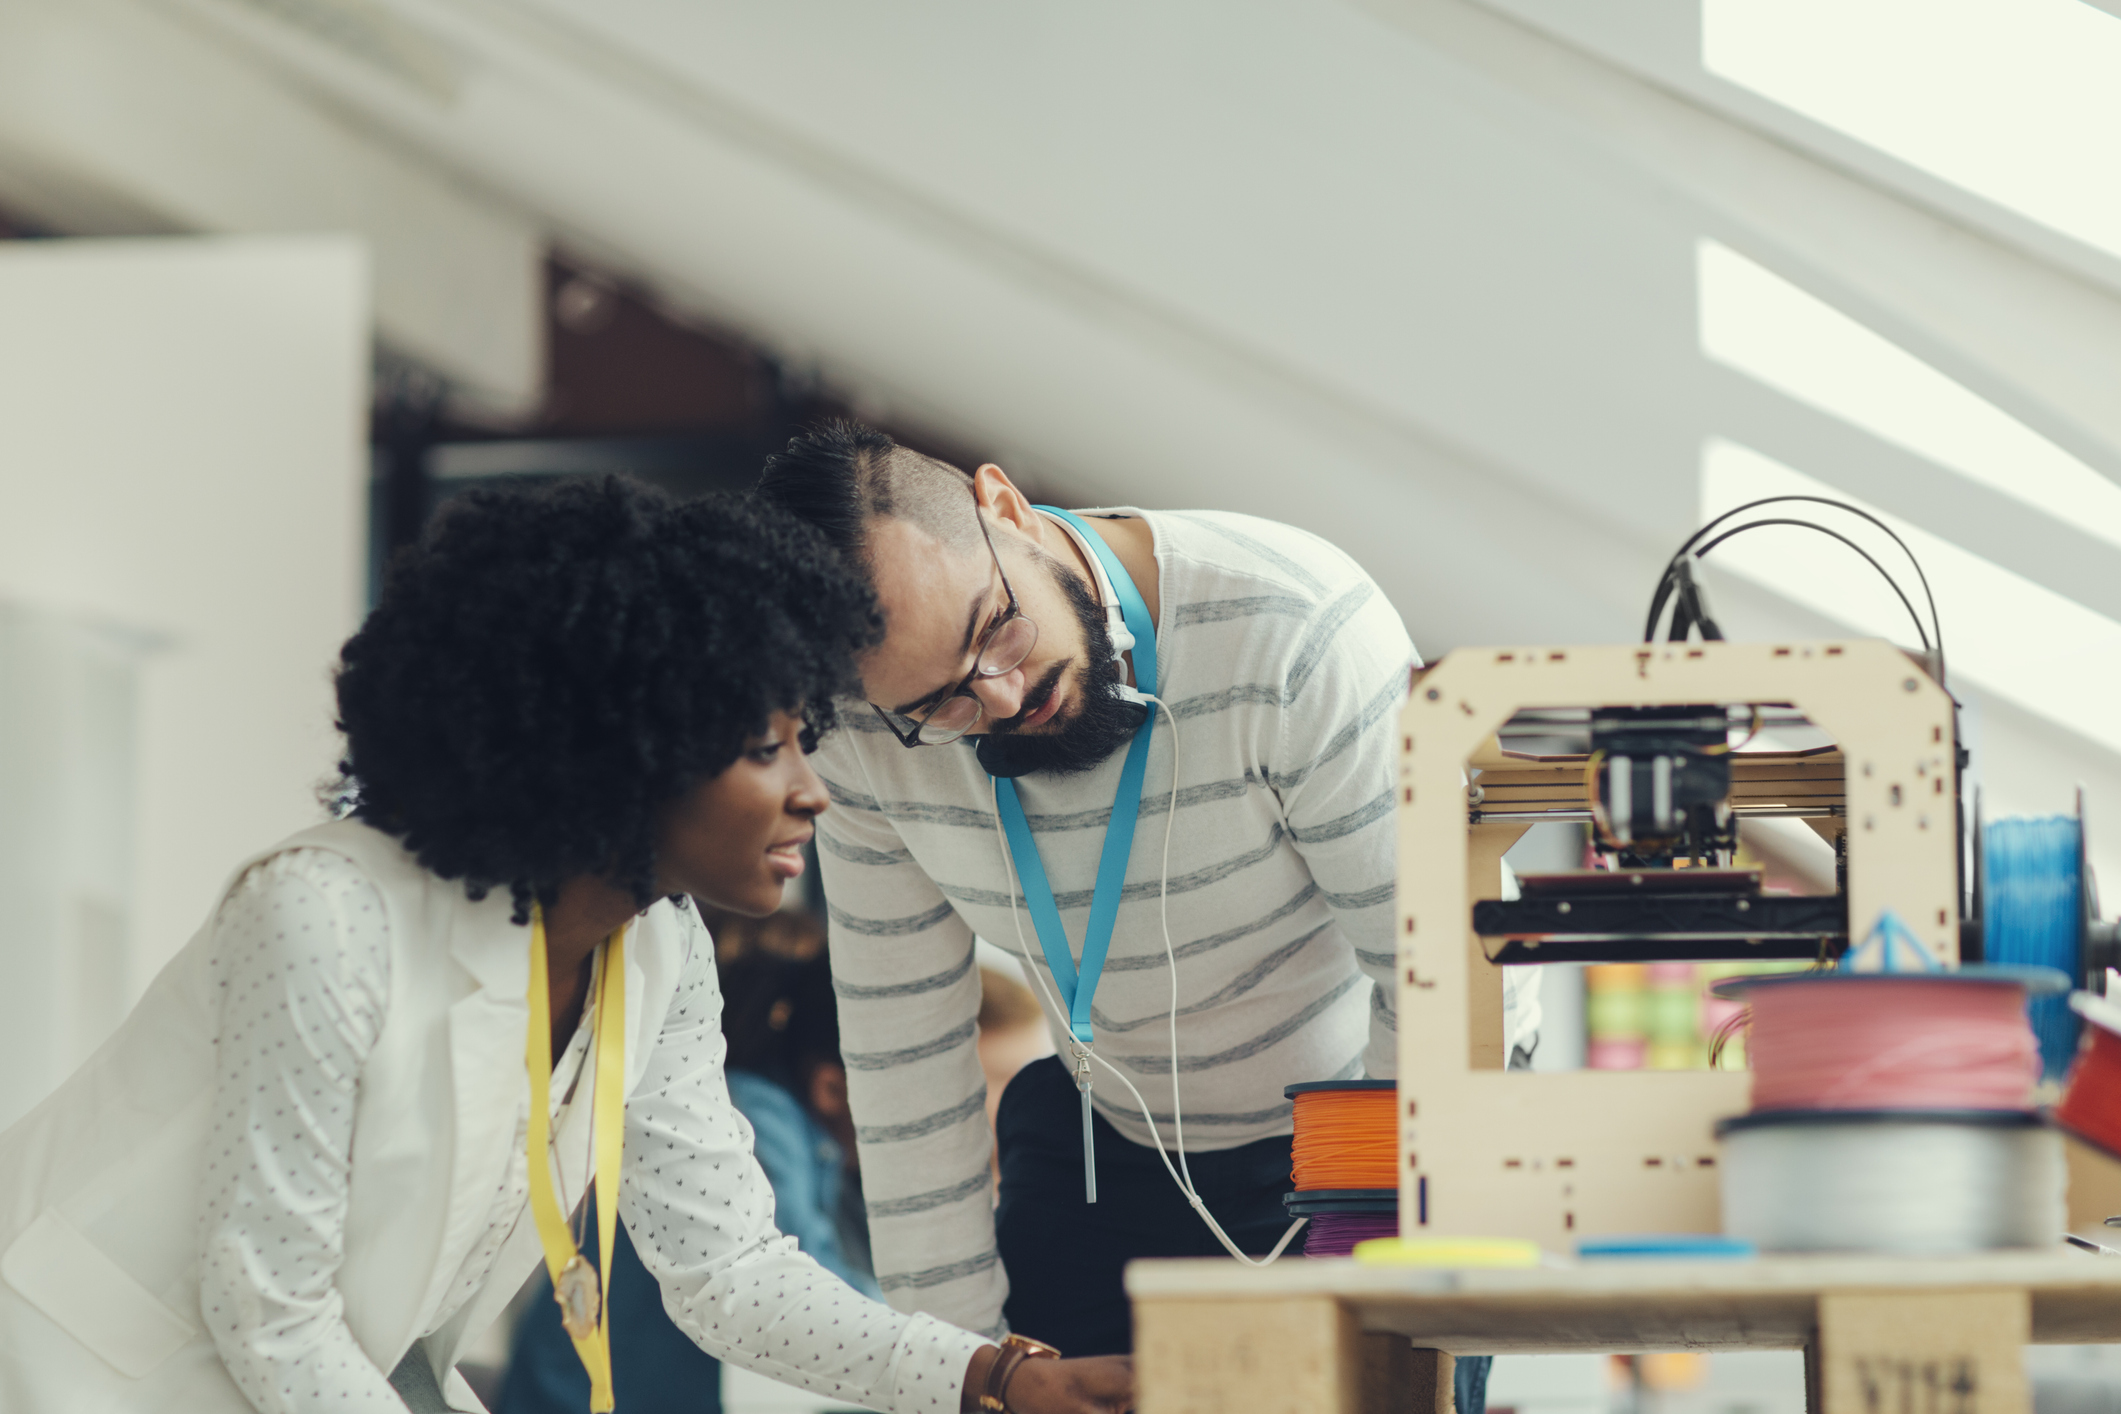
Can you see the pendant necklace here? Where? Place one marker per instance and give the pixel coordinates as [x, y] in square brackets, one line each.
[576, 1289]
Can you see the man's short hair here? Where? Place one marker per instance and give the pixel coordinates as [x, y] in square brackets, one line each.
[839, 476]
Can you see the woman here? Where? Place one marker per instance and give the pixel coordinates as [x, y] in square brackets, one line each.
[332, 1141]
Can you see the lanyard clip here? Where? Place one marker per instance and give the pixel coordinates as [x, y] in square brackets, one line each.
[1082, 1084]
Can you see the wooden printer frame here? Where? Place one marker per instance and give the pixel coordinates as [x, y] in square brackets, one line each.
[1558, 1157]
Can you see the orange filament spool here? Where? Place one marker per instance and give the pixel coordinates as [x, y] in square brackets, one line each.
[1347, 1135]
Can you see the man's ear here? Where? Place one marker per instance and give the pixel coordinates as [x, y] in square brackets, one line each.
[1006, 507]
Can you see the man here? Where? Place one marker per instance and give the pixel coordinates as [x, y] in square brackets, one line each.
[1281, 670]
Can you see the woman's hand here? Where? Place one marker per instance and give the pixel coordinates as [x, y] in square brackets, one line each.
[1095, 1384]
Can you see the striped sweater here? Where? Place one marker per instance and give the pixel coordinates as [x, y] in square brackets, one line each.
[1285, 668]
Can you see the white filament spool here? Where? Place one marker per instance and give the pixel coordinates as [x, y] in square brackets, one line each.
[1912, 1182]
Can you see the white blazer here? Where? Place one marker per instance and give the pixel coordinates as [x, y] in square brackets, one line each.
[99, 1273]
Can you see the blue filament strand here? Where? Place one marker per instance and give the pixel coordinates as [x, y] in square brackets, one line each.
[2032, 897]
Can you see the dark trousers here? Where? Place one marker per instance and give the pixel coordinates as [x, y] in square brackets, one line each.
[1064, 1257]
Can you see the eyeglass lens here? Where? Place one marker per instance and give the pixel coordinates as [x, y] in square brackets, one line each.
[1011, 644]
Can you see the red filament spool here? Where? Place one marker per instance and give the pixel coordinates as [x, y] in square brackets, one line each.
[2091, 1106]
[1859, 1041]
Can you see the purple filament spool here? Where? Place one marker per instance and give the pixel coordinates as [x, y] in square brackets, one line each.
[1335, 1234]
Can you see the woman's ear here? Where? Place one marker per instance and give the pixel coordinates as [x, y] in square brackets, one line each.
[1005, 507]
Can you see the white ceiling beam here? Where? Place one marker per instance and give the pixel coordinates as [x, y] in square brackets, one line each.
[1660, 40]
[2039, 340]
[889, 291]
[119, 118]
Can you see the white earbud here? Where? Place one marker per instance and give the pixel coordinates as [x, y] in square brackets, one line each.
[1123, 642]
[1116, 624]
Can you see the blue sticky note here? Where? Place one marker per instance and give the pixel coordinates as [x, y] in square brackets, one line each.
[1674, 1245]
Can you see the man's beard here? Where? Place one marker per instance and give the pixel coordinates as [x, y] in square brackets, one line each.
[1103, 721]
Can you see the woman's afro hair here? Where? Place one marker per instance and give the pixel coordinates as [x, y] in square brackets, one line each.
[549, 667]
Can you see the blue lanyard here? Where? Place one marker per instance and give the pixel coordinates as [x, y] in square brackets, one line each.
[1077, 990]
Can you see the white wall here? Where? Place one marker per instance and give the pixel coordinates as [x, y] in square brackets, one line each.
[1414, 274]
[69, 728]
[182, 424]
[121, 118]
[1409, 273]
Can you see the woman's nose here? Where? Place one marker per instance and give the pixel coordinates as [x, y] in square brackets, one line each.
[1000, 698]
[809, 797]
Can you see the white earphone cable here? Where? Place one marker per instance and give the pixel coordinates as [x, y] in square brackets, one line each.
[1182, 1174]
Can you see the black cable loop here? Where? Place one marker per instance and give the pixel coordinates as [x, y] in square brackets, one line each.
[1905, 602]
[1665, 585]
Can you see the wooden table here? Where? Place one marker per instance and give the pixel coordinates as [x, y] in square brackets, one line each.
[1881, 1335]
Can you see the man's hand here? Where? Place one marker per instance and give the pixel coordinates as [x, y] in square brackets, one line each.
[1096, 1384]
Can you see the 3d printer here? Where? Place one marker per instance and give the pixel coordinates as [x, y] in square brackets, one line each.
[1663, 748]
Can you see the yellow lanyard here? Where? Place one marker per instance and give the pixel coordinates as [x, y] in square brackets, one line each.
[583, 1311]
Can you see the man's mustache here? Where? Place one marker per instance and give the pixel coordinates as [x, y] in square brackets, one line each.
[1034, 699]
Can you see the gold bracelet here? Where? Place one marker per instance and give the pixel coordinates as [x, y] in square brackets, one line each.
[1015, 1350]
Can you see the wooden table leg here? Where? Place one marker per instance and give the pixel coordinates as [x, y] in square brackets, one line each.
[1400, 1378]
[1922, 1352]
[1296, 1355]
[1434, 1383]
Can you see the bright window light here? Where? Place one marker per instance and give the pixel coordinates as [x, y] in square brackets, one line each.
[2014, 100]
[2011, 637]
[1767, 328]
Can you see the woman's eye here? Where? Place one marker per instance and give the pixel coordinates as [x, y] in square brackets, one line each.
[765, 752]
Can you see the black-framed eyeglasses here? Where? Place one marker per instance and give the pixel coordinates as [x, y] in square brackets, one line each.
[1002, 649]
